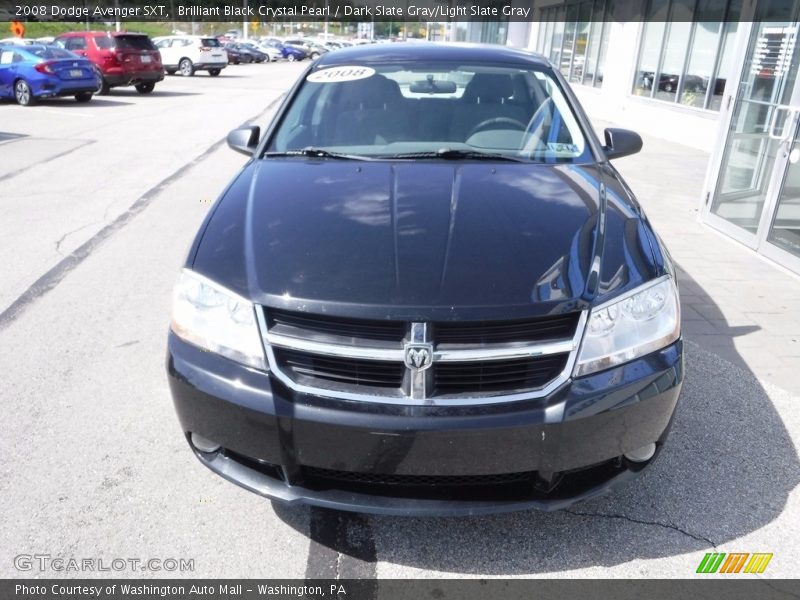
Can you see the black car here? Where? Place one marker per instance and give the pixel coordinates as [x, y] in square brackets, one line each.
[243, 53]
[427, 292]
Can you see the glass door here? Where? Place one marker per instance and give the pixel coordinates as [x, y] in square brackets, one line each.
[761, 126]
[782, 241]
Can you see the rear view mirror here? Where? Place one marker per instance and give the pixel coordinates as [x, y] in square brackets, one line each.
[432, 86]
[621, 142]
[244, 139]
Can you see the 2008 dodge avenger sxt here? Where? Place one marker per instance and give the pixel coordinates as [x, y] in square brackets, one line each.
[427, 292]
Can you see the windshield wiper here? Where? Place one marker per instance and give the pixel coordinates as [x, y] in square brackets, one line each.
[316, 153]
[459, 154]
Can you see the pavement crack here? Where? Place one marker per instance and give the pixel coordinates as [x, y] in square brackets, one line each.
[699, 538]
[69, 233]
[51, 278]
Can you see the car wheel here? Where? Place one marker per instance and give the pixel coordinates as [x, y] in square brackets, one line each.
[104, 88]
[248, 60]
[83, 96]
[145, 88]
[314, 55]
[23, 93]
[214, 72]
[668, 87]
[290, 58]
[186, 67]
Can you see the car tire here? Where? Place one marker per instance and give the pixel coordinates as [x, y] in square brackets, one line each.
[247, 60]
[668, 87]
[214, 72]
[314, 55]
[83, 97]
[290, 58]
[186, 67]
[104, 88]
[23, 93]
[145, 88]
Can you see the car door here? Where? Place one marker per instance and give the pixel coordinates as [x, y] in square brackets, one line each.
[76, 45]
[167, 52]
[7, 70]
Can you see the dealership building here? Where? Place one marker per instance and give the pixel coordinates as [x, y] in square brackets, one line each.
[717, 75]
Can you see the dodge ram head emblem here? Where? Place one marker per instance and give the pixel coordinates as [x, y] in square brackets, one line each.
[418, 356]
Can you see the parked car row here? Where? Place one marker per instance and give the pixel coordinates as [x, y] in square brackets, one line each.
[85, 63]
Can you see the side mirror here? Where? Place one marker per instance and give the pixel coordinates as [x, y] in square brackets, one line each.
[244, 139]
[621, 142]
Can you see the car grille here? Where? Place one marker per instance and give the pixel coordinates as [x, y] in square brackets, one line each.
[498, 375]
[530, 330]
[320, 327]
[417, 480]
[372, 373]
[508, 487]
[421, 363]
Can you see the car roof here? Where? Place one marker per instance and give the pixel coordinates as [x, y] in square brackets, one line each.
[428, 51]
[93, 33]
[185, 36]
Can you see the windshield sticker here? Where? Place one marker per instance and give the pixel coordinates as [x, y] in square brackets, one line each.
[560, 147]
[337, 74]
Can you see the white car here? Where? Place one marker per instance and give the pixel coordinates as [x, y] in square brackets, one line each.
[271, 51]
[190, 53]
[15, 41]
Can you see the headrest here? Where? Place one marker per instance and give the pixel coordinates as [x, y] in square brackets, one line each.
[489, 86]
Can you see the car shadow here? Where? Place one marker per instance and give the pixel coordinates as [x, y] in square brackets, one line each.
[727, 470]
[68, 103]
[132, 93]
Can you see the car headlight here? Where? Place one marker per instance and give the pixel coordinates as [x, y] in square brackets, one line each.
[215, 319]
[641, 322]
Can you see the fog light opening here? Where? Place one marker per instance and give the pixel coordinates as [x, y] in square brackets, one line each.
[203, 444]
[642, 454]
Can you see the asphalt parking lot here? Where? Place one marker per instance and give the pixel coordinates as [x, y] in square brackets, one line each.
[98, 205]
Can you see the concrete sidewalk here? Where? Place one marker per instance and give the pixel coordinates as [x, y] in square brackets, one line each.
[735, 303]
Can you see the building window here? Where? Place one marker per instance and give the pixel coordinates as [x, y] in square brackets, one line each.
[575, 38]
[686, 51]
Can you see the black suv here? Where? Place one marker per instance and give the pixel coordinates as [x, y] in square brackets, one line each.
[428, 292]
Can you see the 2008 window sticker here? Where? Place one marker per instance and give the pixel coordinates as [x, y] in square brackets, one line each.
[338, 74]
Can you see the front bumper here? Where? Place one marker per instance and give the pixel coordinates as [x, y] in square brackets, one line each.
[545, 453]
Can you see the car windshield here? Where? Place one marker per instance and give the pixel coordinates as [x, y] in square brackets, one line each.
[50, 52]
[134, 42]
[418, 110]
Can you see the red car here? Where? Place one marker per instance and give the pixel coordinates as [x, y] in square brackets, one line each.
[122, 58]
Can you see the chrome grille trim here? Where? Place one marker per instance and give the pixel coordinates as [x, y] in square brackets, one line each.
[416, 390]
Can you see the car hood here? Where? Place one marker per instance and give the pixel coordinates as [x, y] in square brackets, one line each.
[422, 240]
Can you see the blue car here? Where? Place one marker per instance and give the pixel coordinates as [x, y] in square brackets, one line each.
[28, 73]
[290, 53]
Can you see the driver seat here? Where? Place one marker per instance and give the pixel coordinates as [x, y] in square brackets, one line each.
[487, 96]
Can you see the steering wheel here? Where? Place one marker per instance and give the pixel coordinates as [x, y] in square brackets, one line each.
[489, 123]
